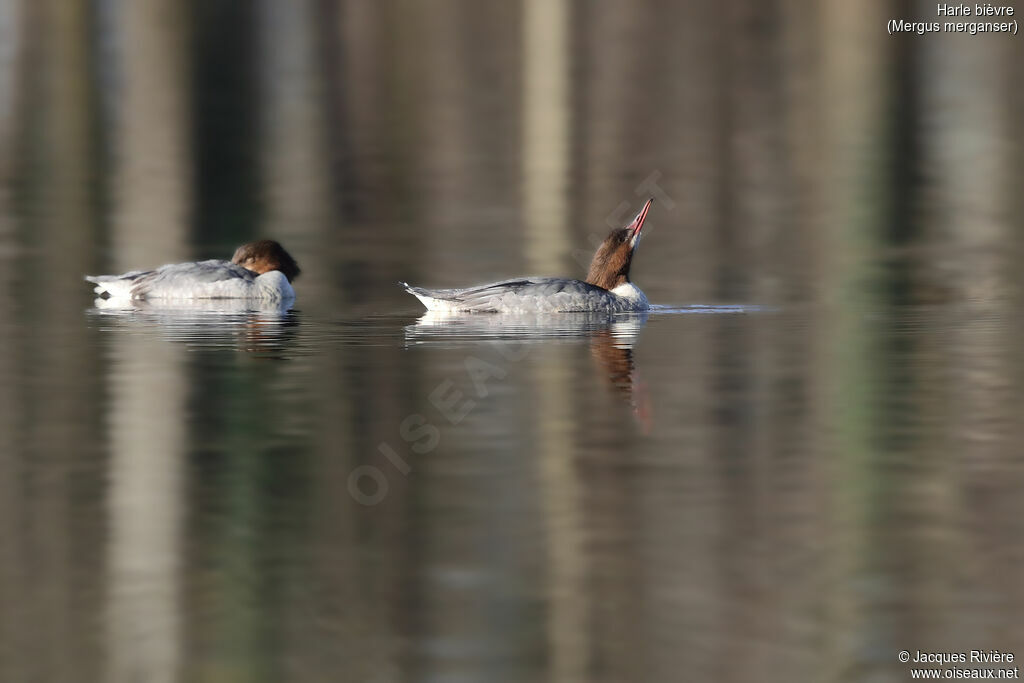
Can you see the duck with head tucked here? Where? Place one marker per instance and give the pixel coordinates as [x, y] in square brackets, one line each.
[260, 270]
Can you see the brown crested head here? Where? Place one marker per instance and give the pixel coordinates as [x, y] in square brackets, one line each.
[610, 267]
[264, 256]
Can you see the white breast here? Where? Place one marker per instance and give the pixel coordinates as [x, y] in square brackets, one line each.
[631, 293]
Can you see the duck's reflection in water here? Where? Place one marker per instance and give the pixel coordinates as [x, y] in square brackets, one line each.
[611, 338]
[613, 352]
[262, 327]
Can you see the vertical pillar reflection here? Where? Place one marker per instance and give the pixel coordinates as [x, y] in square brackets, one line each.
[55, 163]
[971, 124]
[562, 500]
[147, 443]
[855, 196]
[545, 169]
[147, 387]
[545, 133]
[295, 161]
[10, 45]
[153, 131]
[12, 408]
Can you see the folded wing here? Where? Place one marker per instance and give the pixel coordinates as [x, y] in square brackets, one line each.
[519, 294]
[203, 279]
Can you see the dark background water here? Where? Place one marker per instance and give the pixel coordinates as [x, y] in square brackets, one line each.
[795, 488]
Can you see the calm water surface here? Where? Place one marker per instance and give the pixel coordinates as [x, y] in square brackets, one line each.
[278, 494]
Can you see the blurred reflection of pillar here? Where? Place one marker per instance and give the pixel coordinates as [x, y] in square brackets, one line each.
[147, 383]
[854, 63]
[152, 193]
[295, 161]
[545, 133]
[11, 403]
[465, 69]
[614, 41]
[969, 153]
[447, 137]
[147, 444]
[545, 168]
[10, 45]
[968, 126]
[55, 159]
[562, 501]
[785, 442]
[971, 207]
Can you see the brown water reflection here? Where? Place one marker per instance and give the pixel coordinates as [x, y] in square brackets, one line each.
[830, 472]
